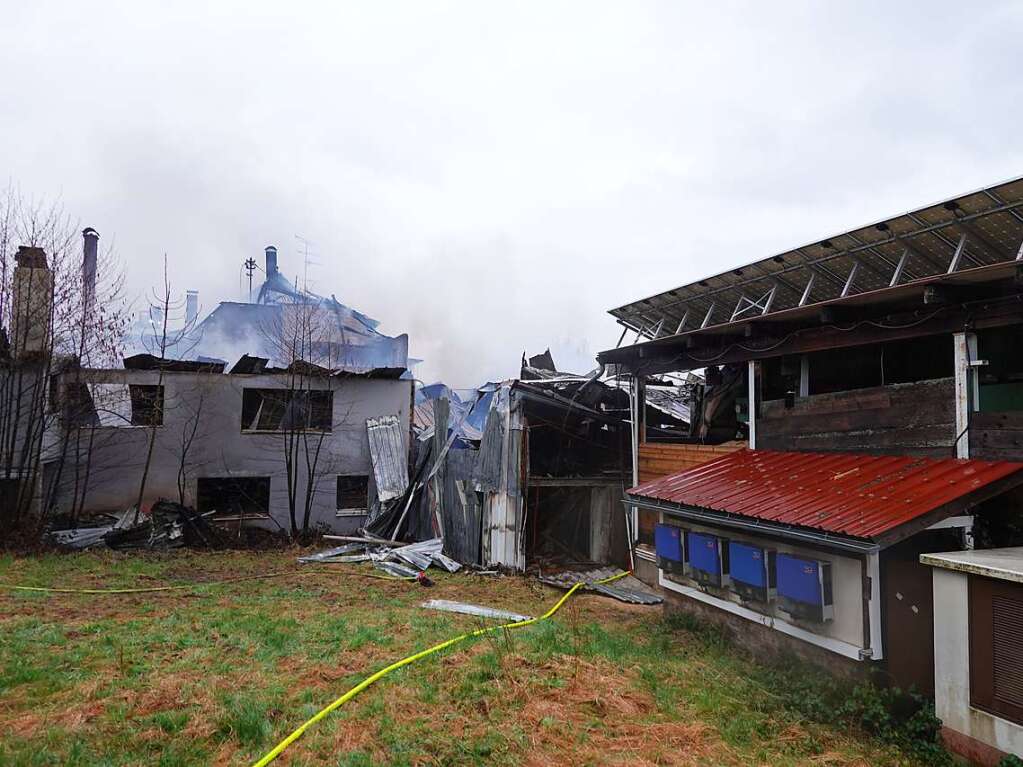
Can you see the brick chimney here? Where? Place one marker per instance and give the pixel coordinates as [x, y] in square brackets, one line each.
[33, 303]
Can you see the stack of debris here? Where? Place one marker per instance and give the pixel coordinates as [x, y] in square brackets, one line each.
[626, 589]
[392, 557]
[168, 525]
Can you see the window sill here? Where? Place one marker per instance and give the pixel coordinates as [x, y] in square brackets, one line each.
[350, 513]
[280, 432]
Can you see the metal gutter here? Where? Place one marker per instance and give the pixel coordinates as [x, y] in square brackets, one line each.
[855, 545]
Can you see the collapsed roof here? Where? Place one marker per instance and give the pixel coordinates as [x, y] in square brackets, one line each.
[287, 323]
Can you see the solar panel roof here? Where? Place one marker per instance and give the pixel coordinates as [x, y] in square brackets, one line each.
[953, 237]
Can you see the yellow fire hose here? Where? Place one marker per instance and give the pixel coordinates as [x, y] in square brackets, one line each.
[280, 747]
[151, 589]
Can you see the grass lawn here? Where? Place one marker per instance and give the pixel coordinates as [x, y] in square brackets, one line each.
[219, 674]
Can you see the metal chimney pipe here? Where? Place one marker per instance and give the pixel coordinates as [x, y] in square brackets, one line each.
[90, 249]
[191, 307]
[271, 260]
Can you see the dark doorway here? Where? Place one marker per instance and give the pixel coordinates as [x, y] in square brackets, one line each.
[241, 496]
[572, 522]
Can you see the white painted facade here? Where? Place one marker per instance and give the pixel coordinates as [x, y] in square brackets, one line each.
[952, 643]
[843, 635]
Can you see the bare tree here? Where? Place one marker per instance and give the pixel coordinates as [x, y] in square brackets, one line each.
[164, 341]
[53, 321]
[304, 343]
[193, 406]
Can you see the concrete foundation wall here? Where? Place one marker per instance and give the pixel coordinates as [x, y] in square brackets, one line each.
[211, 404]
[764, 642]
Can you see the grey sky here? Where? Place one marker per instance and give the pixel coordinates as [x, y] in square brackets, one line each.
[491, 178]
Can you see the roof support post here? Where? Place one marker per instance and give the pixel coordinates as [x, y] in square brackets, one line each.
[657, 328]
[752, 385]
[706, 319]
[804, 375]
[957, 256]
[850, 279]
[770, 299]
[682, 322]
[1019, 253]
[622, 336]
[807, 289]
[897, 275]
[637, 409]
[965, 345]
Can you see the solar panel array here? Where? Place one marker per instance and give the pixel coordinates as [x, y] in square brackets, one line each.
[972, 230]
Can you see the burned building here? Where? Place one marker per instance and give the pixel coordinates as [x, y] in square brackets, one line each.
[329, 333]
[526, 473]
[303, 437]
[863, 405]
[254, 445]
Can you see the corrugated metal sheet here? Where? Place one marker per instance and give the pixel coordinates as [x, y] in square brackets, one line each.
[390, 460]
[487, 473]
[460, 509]
[856, 495]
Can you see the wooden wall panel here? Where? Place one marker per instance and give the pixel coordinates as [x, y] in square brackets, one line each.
[658, 459]
[903, 419]
[996, 436]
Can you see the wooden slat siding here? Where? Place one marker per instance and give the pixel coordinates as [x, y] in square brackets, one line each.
[996, 647]
[996, 436]
[905, 419]
[657, 459]
[661, 459]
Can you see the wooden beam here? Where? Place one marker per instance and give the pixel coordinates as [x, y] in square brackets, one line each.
[995, 312]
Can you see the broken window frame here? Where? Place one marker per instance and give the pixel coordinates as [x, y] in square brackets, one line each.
[112, 405]
[280, 410]
[345, 509]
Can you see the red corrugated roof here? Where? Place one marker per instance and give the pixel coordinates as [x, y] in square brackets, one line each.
[862, 496]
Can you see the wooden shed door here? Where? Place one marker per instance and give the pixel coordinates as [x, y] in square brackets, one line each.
[908, 603]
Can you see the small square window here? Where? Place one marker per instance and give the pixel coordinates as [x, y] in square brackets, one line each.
[352, 493]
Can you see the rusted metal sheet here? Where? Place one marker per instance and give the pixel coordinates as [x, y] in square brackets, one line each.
[856, 495]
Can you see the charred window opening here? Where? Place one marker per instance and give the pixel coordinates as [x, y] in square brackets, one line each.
[146, 404]
[233, 495]
[352, 492]
[287, 409]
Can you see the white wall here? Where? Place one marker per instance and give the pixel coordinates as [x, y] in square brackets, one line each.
[843, 634]
[952, 668]
[222, 449]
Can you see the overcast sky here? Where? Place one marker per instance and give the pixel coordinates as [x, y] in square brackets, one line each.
[493, 177]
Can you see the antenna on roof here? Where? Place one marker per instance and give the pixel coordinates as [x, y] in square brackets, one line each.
[250, 267]
[306, 261]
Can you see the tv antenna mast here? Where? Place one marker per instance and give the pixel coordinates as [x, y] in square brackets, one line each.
[306, 261]
[250, 267]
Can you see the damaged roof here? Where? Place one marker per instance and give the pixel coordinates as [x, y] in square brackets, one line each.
[151, 362]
